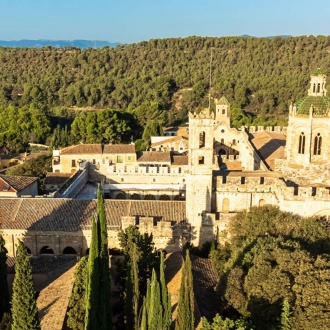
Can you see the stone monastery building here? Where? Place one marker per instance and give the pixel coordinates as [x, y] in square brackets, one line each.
[183, 196]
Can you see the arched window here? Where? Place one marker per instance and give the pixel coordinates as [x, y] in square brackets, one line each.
[46, 250]
[262, 202]
[318, 88]
[314, 88]
[225, 205]
[317, 144]
[301, 148]
[202, 139]
[69, 250]
[149, 197]
[164, 197]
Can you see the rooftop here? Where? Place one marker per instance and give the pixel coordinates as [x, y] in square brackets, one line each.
[154, 157]
[57, 214]
[17, 183]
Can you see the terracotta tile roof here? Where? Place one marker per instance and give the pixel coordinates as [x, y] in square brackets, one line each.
[99, 149]
[82, 149]
[179, 160]
[119, 149]
[56, 178]
[270, 146]
[154, 157]
[42, 264]
[18, 183]
[55, 214]
[169, 140]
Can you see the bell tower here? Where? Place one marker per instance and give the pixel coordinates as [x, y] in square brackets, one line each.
[199, 179]
[222, 111]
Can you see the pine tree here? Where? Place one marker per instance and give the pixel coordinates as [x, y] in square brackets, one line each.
[185, 316]
[92, 320]
[4, 291]
[165, 297]
[77, 307]
[24, 308]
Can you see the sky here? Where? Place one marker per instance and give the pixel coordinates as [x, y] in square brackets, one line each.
[130, 21]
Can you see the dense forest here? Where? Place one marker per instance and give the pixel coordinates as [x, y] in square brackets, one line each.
[259, 77]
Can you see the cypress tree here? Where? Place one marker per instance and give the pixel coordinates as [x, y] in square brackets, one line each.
[285, 316]
[77, 307]
[132, 289]
[105, 304]
[165, 296]
[92, 320]
[145, 307]
[185, 317]
[4, 291]
[155, 307]
[24, 308]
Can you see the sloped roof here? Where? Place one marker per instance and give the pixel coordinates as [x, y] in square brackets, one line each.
[119, 149]
[17, 183]
[154, 157]
[223, 101]
[180, 160]
[169, 140]
[320, 104]
[56, 214]
[82, 149]
[270, 146]
[56, 178]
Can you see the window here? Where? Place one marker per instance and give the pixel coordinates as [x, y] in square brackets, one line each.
[314, 88]
[318, 88]
[317, 144]
[129, 158]
[73, 163]
[201, 160]
[223, 111]
[301, 148]
[119, 158]
[202, 139]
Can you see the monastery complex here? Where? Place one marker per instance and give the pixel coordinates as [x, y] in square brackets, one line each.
[187, 187]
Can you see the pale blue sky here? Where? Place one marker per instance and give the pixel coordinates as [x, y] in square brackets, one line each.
[128, 21]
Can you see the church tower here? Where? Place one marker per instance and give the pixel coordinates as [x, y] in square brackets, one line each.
[199, 179]
[308, 138]
[222, 112]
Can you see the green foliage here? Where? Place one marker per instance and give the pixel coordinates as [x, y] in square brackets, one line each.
[98, 308]
[165, 297]
[38, 167]
[185, 317]
[19, 126]
[275, 257]
[24, 308]
[6, 321]
[220, 323]
[4, 296]
[285, 316]
[77, 308]
[107, 126]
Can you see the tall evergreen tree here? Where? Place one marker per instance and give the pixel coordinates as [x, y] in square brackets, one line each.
[105, 293]
[77, 307]
[4, 291]
[92, 320]
[24, 307]
[98, 308]
[132, 290]
[165, 296]
[285, 316]
[185, 316]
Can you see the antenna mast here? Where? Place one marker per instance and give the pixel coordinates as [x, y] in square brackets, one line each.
[210, 80]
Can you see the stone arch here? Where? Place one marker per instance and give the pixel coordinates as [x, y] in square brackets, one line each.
[149, 197]
[69, 250]
[46, 250]
[164, 197]
[225, 205]
[120, 195]
[135, 197]
[262, 202]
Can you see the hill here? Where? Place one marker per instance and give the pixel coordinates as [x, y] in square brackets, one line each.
[57, 43]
